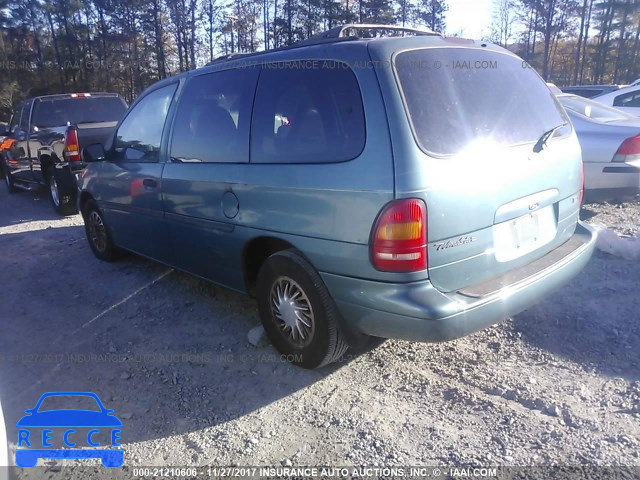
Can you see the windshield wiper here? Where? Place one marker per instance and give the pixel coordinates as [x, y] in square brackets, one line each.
[542, 141]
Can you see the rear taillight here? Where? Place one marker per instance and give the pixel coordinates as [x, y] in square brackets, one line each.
[629, 150]
[399, 240]
[71, 146]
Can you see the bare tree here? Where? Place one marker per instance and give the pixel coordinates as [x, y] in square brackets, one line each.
[504, 18]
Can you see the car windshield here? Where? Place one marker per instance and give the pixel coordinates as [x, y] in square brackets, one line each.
[592, 109]
[456, 97]
[67, 402]
[57, 112]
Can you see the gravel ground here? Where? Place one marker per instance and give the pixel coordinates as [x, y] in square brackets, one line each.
[558, 384]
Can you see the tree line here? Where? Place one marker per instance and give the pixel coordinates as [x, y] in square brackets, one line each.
[573, 41]
[125, 45]
[57, 46]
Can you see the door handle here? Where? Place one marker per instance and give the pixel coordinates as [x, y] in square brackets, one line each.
[150, 183]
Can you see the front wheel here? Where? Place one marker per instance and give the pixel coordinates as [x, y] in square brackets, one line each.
[298, 314]
[97, 233]
[62, 199]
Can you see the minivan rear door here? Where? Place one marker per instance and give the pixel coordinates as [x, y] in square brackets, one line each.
[496, 161]
[208, 149]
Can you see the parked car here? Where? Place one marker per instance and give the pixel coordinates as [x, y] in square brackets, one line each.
[4, 132]
[590, 91]
[610, 141]
[626, 99]
[398, 200]
[45, 140]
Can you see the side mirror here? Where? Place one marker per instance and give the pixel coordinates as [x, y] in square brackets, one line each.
[93, 153]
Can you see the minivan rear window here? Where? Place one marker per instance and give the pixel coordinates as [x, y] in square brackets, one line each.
[457, 97]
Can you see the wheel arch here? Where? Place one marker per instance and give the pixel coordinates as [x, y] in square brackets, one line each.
[46, 162]
[82, 201]
[255, 252]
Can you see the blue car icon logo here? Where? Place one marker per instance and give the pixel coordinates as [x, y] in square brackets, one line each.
[68, 419]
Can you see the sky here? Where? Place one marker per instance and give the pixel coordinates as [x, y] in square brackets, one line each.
[470, 18]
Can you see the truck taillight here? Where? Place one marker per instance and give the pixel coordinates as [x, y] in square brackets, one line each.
[628, 150]
[399, 239]
[71, 146]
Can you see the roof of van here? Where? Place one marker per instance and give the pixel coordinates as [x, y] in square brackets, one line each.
[294, 51]
[325, 44]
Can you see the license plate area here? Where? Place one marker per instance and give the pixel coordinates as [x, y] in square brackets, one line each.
[519, 236]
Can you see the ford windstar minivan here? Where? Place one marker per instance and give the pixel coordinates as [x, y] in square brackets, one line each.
[405, 186]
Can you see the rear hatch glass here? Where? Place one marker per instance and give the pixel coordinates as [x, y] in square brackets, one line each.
[457, 96]
[57, 112]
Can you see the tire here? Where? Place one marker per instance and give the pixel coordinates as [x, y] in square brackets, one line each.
[316, 340]
[98, 234]
[62, 200]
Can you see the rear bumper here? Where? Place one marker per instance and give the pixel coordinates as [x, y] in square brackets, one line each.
[419, 312]
[605, 181]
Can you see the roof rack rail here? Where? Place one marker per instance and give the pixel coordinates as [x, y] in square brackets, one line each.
[351, 30]
[337, 34]
[230, 56]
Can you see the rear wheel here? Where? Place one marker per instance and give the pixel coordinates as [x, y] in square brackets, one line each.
[62, 199]
[297, 312]
[97, 233]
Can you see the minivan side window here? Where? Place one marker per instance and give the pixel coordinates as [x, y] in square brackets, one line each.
[307, 115]
[213, 117]
[631, 99]
[140, 133]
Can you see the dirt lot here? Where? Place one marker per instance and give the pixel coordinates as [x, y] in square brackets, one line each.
[558, 384]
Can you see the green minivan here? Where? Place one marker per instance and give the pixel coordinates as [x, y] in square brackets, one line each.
[357, 184]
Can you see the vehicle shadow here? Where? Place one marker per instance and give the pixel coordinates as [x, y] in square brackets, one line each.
[167, 351]
[593, 320]
[26, 206]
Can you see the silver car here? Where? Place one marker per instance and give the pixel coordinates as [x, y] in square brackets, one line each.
[610, 141]
[626, 99]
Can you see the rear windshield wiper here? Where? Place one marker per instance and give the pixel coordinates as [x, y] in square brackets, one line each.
[542, 141]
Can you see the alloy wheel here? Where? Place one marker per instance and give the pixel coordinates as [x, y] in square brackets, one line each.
[97, 231]
[53, 185]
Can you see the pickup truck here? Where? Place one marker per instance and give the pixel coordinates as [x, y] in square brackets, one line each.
[45, 139]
